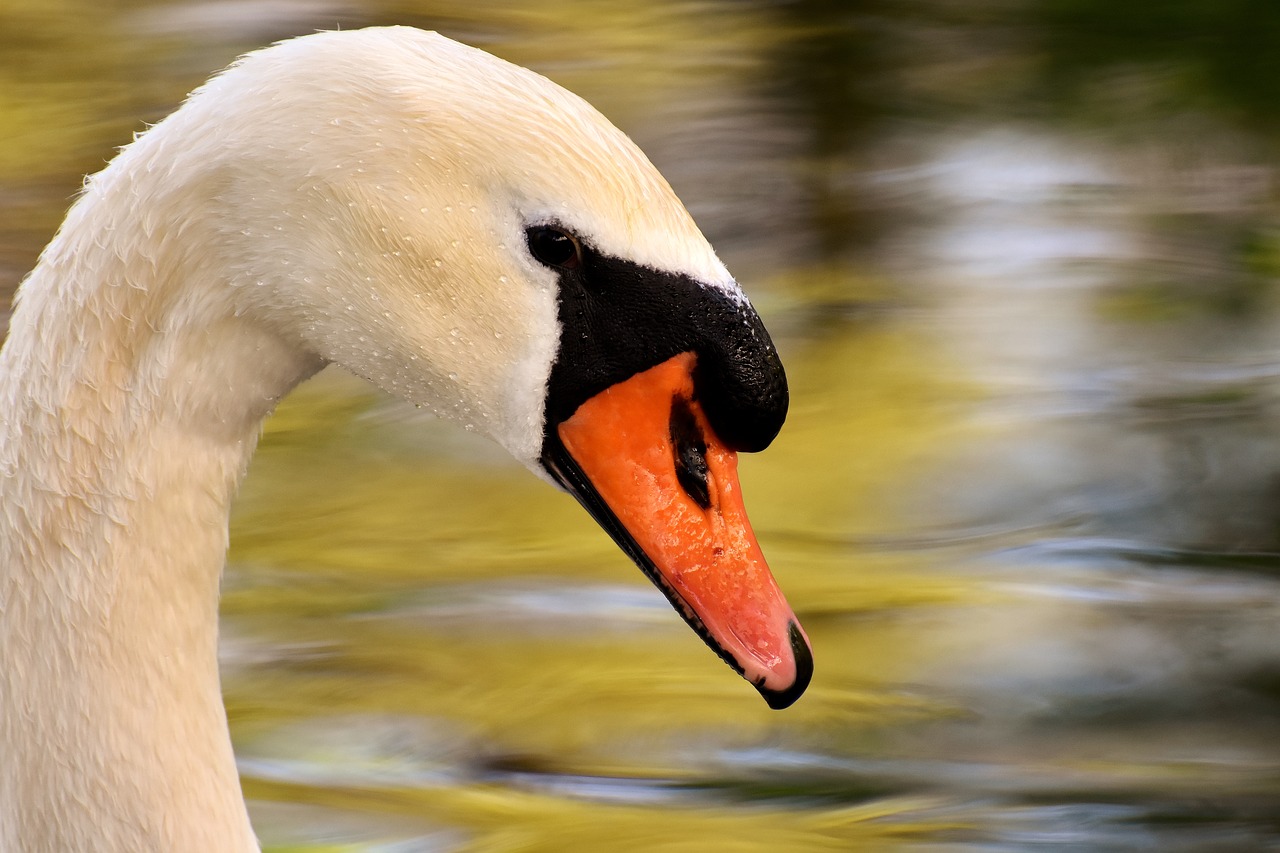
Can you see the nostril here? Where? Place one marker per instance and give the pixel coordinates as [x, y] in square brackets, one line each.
[690, 451]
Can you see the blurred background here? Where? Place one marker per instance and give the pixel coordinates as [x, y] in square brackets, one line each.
[1021, 260]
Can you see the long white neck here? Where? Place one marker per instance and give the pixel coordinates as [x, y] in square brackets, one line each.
[131, 396]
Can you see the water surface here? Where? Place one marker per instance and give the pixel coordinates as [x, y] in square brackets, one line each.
[1020, 261]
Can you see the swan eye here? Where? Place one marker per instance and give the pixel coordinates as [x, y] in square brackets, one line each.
[554, 247]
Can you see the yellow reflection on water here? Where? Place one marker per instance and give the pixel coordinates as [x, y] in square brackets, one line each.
[384, 564]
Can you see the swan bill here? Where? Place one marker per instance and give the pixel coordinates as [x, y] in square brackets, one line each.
[642, 458]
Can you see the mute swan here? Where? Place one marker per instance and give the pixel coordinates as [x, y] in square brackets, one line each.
[457, 230]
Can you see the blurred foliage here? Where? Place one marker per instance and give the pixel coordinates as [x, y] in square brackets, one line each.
[78, 77]
[1219, 55]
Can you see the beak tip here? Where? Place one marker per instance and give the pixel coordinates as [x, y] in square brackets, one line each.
[785, 698]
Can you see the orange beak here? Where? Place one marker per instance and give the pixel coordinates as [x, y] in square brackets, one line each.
[642, 457]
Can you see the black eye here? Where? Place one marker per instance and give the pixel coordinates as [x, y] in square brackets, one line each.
[554, 247]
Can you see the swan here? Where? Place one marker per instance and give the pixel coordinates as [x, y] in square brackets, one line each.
[457, 230]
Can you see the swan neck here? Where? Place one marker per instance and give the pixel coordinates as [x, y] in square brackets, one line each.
[133, 395]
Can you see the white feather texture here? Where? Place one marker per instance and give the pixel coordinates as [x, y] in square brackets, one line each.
[355, 197]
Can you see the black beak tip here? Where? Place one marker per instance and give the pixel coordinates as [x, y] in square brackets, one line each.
[779, 699]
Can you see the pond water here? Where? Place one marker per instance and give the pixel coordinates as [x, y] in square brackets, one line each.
[1020, 260]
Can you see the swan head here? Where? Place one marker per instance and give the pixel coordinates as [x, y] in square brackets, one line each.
[469, 236]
